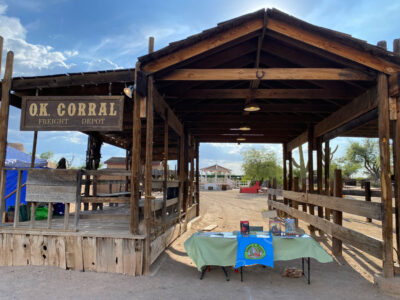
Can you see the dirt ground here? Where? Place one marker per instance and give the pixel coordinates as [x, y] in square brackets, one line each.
[175, 276]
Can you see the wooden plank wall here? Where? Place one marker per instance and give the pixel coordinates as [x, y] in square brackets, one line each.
[83, 253]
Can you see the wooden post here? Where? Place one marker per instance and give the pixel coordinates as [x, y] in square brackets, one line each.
[78, 199]
[165, 182]
[396, 167]
[4, 111]
[296, 189]
[197, 180]
[337, 215]
[151, 44]
[290, 181]
[148, 175]
[319, 176]
[304, 190]
[191, 194]
[367, 187]
[181, 174]
[274, 186]
[311, 169]
[35, 136]
[396, 46]
[386, 186]
[135, 168]
[326, 177]
[269, 195]
[285, 181]
[18, 199]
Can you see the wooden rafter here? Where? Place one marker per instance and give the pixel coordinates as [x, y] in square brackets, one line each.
[266, 74]
[359, 106]
[361, 57]
[127, 75]
[203, 46]
[266, 94]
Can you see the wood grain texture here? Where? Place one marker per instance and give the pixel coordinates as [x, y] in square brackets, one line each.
[386, 186]
[313, 39]
[266, 74]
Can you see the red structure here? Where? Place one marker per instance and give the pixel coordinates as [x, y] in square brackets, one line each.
[251, 189]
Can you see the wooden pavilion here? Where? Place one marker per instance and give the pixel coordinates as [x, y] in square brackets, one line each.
[265, 77]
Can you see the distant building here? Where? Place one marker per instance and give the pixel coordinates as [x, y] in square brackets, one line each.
[216, 177]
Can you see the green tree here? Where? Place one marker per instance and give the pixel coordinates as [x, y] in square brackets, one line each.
[261, 164]
[364, 156]
[47, 155]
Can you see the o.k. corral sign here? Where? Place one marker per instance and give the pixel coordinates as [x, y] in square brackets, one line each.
[80, 113]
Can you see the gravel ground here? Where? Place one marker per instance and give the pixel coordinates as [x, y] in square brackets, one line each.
[175, 276]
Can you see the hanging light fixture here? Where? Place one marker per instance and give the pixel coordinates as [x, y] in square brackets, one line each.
[241, 139]
[251, 106]
[244, 127]
[128, 91]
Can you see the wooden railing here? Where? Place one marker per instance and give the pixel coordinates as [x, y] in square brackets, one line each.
[357, 239]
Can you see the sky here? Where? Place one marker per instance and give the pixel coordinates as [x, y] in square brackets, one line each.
[60, 36]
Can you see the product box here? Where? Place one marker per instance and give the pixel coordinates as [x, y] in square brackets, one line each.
[290, 226]
[275, 226]
[244, 227]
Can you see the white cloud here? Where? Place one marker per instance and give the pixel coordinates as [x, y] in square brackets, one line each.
[29, 58]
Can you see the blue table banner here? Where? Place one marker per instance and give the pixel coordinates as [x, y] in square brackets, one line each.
[253, 250]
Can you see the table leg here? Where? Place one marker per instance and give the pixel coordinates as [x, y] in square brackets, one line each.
[203, 272]
[308, 276]
[226, 274]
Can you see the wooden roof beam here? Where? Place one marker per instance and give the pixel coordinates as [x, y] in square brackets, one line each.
[127, 75]
[266, 74]
[161, 107]
[265, 107]
[267, 94]
[359, 106]
[329, 45]
[203, 46]
[394, 85]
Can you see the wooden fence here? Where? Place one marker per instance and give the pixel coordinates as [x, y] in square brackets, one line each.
[337, 205]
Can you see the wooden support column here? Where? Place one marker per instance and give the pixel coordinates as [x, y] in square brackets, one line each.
[326, 176]
[148, 175]
[367, 188]
[337, 215]
[186, 179]
[269, 195]
[386, 186]
[181, 160]
[285, 182]
[290, 181]
[191, 194]
[296, 189]
[319, 175]
[311, 169]
[165, 165]
[396, 164]
[304, 190]
[4, 112]
[135, 168]
[274, 186]
[197, 180]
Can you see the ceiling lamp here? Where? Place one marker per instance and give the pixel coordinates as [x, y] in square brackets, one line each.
[241, 139]
[128, 91]
[244, 128]
[252, 107]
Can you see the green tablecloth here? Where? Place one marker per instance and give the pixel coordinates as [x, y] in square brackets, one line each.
[217, 251]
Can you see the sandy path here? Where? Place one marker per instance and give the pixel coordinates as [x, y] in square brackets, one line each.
[176, 277]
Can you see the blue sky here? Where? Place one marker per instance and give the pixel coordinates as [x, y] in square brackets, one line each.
[58, 36]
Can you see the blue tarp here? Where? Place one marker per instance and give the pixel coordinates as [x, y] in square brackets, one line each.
[18, 159]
